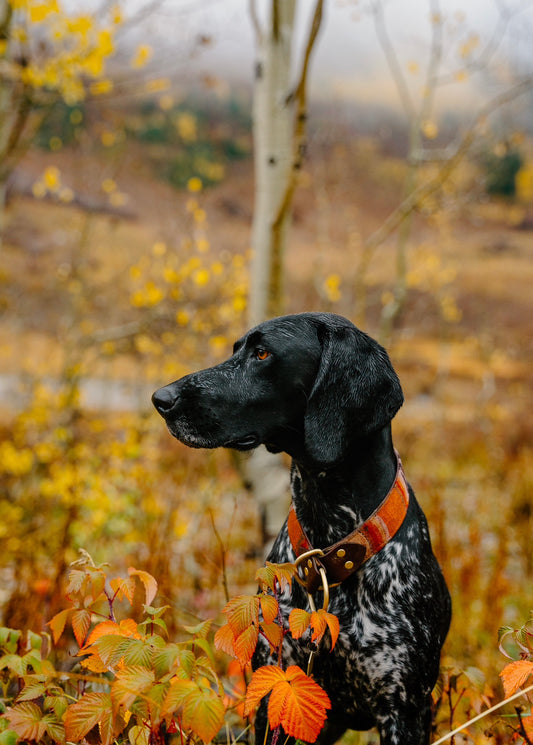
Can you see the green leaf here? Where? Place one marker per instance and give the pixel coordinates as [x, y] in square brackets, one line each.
[8, 737]
[55, 729]
[174, 656]
[201, 630]
[35, 640]
[137, 652]
[205, 646]
[9, 638]
[110, 648]
[31, 691]
[14, 663]
[58, 704]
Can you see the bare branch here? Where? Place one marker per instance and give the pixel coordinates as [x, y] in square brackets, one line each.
[256, 24]
[416, 197]
[392, 59]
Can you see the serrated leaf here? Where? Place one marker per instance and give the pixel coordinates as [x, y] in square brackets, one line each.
[242, 611]
[85, 713]
[225, 639]
[320, 620]
[81, 621]
[26, 719]
[150, 584]
[299, 704]
[269, 608]
[14, 663]
[54, 729]
[275, 576]
[201, 630]
[173, 655]
[76, 578]
[58, 704]
[299, 621]
[296, 701]
[514, 675]
[245, 644]
[108, 649]
[139, 735]
[31, 691]
[261, 684]
[137, 652]
[130, 683]
[9, 638]
[57, 624]
[203, 713]
[124, 588]
[274, 634]
[205, 646]
[176, 695]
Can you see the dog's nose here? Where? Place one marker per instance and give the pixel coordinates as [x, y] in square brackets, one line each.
[163, 399]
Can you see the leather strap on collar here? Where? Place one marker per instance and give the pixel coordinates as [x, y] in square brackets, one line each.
[343, 558]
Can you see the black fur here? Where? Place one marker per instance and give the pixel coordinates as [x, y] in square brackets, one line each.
[325, 393]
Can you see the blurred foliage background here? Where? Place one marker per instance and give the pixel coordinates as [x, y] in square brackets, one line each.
[124, 265]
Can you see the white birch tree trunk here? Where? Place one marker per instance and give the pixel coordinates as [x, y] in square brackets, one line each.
[273, 127]
[278, 132]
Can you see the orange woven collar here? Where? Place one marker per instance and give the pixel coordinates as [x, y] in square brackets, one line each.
[343, 558]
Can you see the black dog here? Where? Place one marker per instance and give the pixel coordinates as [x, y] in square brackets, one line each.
[318, 388]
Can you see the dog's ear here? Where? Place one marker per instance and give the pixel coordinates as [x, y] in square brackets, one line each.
[356, 392]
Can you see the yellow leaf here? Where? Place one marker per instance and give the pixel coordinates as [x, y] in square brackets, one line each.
[52, 178]
[142, 55]
[242, 611]
[150, 584]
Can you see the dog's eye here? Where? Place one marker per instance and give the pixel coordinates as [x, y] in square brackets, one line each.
[261, 354]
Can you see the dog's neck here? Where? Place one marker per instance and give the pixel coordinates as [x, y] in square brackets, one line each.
[331, 502]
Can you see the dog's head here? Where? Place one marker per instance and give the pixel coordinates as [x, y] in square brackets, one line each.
[309, 384]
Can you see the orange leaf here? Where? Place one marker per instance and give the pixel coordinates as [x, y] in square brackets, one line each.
[203, 712]
[81, 621]
[296, 702]
[224, 640]
[514, 675]
[150, 584]
[57, 624]
[320, 620]
[528, 726]
[26, 720]
[82, 715]
[262, 682]
[242, 611]
[275, 576]
[245, 644]
[124, 588]
[269, 608]
[274, 634]
[105, 628]
[299, 622]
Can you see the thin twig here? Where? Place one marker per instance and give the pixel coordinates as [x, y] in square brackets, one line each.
[222, 556]
[483, 715]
